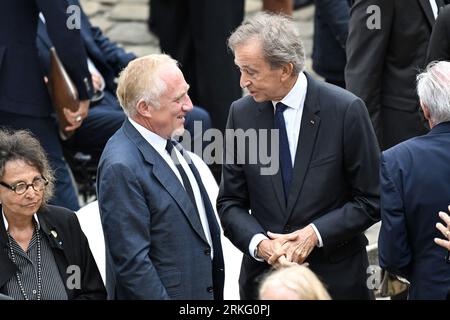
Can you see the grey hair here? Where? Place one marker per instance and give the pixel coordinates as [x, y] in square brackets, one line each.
[22, 145]
[141, 80]
[280, 39]
[433, 88]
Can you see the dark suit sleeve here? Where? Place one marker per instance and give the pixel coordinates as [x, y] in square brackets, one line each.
[361, 167]
[439, 47]
[126, 223]
[233, 199]
[393, 247]
[336, 15]
[68, 44]
[366, 49]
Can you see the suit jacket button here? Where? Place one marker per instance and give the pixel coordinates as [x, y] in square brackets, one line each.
[207, 252]
[210, 289]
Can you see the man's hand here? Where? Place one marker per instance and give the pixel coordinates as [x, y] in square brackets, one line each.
[445, 230]
[96, 82]
[298, 249]
[77, 117]
[267, 247]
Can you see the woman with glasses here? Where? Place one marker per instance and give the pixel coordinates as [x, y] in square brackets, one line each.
[44, 254]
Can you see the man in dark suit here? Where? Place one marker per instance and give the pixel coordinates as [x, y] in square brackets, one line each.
[326, 193]
[386, 46]
[24, 98]
[414, 187]
[160, 227]
[106, 60]
[439, 46]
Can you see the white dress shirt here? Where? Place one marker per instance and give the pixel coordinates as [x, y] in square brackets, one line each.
[159, 144]
[295, 101]
[5, 222]
[434, 7]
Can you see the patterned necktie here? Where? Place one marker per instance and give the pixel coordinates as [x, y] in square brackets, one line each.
[218, 262]
[285, 154]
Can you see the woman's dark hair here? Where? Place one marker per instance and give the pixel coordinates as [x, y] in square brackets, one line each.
[22, 145]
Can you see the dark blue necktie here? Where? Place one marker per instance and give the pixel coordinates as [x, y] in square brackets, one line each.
[218, 262]
[285, 154]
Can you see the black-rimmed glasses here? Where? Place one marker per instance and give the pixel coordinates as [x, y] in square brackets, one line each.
[21, 187]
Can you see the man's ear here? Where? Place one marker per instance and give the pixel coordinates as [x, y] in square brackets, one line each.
[143, 108]
[426, 111]
[286, 71]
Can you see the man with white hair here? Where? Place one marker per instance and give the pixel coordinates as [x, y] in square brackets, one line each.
[415, 184]
[160, 228]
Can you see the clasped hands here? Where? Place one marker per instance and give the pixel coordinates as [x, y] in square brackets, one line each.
[288, 249]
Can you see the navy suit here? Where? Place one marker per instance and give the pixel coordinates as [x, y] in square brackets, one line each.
[24, 99]
[156, 244]
[415, 184]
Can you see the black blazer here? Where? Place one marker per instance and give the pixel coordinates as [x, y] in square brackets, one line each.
[382, 64]
[69, 247]
[335, 186]
[439, 47]
[22, 87]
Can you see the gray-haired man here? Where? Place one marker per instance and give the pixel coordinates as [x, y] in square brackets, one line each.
[326, 193]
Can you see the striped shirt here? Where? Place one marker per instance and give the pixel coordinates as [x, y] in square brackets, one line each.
[27, 262]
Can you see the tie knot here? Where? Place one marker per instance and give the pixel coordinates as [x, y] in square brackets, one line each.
[280, 107]
[169, 146]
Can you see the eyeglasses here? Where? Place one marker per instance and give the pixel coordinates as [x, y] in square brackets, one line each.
[21, 187]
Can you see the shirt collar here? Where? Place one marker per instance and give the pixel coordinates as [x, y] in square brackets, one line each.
[157, 142]
[298, 91]
[5, 222]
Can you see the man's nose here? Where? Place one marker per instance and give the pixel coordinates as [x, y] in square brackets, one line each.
[243, 81]
[187, 105]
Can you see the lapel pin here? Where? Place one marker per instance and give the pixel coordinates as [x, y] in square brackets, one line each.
[312, 122]
[54, 234]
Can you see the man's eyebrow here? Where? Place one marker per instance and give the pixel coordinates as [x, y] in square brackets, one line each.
[246, 67]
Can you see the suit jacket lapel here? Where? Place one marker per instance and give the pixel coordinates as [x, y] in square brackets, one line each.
[265, 120]
[428, 11]
[166, 177]
[306, 142]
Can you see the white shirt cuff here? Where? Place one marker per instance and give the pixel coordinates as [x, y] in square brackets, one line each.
[257, 238]
[320, 244]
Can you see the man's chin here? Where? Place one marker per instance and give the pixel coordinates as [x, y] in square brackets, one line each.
[258, 98]
[178, 132]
